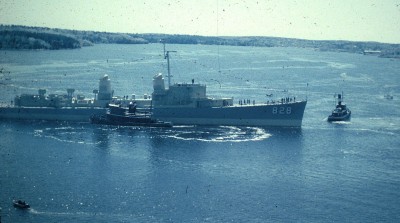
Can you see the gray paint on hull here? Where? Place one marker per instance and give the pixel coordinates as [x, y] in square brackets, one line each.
[59, 114]
[286, 114]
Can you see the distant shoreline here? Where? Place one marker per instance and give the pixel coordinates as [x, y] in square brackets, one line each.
[34, 38]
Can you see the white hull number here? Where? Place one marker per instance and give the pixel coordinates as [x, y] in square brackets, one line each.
[281, 110]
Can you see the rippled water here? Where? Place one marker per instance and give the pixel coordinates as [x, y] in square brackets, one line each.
[78, 172]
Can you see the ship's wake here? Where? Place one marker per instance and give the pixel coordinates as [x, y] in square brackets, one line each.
[218, 133]
[93, 135]
[85, 216]
[67, 133]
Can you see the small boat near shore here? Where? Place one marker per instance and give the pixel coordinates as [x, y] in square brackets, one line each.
[21, 204]
[341, 112]
[121, 116]
[388, 96]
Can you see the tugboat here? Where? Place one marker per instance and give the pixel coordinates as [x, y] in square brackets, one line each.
[118, 115]
[21, 204]
[341, 112]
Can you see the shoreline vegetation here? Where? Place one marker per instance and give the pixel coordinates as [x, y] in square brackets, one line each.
[15, 37]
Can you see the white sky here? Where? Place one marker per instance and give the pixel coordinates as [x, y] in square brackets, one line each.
[358, 20]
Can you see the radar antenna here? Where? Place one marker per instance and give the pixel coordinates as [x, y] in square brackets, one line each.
[166, 56]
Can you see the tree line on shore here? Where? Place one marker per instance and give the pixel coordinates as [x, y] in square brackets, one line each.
[24, 37]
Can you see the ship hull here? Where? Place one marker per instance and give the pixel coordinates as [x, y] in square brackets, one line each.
[285, 115]
[52, 114]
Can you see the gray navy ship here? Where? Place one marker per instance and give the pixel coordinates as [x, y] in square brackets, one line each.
[188, 104]
[66, 107]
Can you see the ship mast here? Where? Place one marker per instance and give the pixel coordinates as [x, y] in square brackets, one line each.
[166, 56]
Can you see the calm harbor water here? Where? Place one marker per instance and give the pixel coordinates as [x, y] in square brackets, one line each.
[322, 172]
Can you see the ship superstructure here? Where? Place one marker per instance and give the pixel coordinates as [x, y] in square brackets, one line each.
[67, 107]
[102, 97]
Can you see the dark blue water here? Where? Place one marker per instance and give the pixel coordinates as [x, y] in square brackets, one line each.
[323, 172]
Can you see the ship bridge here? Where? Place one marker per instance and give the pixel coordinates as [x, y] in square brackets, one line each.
[184, 94]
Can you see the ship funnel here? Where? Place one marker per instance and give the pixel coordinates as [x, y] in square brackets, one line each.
[42, 92]
[158, 84]
[70, 92]
[105, 92]
[340, 99]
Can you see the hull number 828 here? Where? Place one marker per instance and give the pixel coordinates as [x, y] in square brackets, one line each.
[281, 110]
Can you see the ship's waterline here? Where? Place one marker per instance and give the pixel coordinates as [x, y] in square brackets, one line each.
[234, 122]
[51, 114]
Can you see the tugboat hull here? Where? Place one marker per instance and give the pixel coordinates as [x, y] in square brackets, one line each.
[345, 117]
[128, 121]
